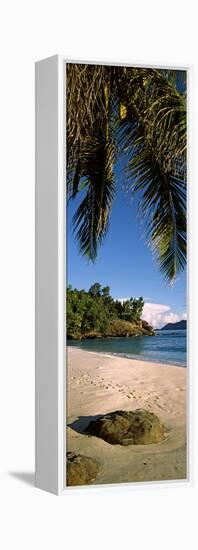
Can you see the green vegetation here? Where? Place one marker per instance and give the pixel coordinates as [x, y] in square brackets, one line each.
[95, 314]
[139, 114]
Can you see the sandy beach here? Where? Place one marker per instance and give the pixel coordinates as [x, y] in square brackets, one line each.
[99, 384]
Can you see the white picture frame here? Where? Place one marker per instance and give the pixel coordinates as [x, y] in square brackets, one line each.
[50, 351]
[50, 306]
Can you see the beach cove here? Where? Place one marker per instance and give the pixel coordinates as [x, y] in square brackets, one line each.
[99, 383]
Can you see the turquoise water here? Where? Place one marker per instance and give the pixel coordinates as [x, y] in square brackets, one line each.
[165, 347]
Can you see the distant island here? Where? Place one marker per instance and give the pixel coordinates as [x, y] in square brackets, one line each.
[95, 314]
[180, 325]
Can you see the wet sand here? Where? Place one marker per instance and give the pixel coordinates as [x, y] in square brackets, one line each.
[99, 384]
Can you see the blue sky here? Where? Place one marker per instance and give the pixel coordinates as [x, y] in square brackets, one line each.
[125, 263]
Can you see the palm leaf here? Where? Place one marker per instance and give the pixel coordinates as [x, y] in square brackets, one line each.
[153, 136]
[161, 111]
[163, 207]
[144, 113]
[92, 216]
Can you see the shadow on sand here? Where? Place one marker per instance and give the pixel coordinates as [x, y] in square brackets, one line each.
[80, 424]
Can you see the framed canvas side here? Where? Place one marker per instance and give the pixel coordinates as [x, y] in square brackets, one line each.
[51, 280]
[50, 276]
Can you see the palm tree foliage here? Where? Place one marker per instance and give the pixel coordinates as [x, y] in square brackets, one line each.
[137, 112]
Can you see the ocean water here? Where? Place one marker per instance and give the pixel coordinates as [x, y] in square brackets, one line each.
[166, 346]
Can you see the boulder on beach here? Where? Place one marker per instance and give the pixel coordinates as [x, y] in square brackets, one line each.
[138, 427]
[81, 469]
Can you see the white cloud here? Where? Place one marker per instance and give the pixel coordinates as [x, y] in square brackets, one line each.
[123, 299]
[159, 315]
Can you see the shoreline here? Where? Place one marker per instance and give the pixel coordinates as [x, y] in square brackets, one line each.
[98, 384]
[130, 357]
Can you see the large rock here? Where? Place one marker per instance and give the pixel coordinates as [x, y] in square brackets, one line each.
[81, 469]
[139, 427]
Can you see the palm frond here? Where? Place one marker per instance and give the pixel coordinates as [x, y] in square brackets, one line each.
[163, 206]
[92, 216]
[161, 111]
[165, 122]
[87, 116]
[85, 104]
[153, 136]
[143, 112]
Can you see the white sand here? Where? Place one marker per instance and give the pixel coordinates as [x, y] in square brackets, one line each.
[98, 384]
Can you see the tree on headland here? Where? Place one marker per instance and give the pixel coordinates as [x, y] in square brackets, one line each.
[106, 292]
[95, 290]
[96, 313]
[131, 309]
[141, 114]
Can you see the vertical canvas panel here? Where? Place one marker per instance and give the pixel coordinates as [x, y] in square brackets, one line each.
[47, 274]
[126, 400]
[127, 366]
